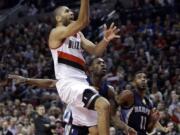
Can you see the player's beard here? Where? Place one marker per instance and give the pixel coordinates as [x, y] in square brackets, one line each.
[66, 22]
[142, 87]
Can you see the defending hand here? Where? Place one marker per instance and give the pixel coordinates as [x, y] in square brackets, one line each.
[111, 32]
[18, 79]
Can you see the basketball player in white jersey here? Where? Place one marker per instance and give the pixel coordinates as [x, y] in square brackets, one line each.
[67, 43]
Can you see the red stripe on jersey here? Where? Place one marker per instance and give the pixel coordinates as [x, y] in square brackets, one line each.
[71, 58]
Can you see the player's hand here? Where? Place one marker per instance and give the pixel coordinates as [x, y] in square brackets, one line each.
[155, 116]
[167, 129]
[111, 32]
[18, 79]
[130, 131]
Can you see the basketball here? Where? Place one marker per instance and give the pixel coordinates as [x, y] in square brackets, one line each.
[127, 96]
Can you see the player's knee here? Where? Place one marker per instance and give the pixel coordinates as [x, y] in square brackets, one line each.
[102, 104]
[93, 131]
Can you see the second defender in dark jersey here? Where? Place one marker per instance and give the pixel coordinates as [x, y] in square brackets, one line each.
[136, 108]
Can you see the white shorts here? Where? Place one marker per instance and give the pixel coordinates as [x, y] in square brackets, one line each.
[71, 93]
[71, 90]
[81, 116]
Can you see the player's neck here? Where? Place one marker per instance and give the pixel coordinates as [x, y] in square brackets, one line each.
[141, 92]
[59, 24]
[96, 80]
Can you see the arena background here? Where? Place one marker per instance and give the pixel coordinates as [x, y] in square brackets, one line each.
[150, 41]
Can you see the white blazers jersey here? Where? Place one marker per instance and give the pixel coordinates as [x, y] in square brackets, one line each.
[68, 59]
[69, 66]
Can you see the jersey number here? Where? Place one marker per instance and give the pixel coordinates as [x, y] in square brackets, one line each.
[143, 123]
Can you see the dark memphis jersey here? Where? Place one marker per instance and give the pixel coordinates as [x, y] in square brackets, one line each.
[103, 90]
[137, 116]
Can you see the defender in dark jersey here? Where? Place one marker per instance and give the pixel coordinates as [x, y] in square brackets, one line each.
[136, 108]
[97, 72]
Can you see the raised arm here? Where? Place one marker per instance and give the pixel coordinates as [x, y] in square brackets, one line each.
[98, 50]
[158, 126]
[61, 32]
[43, 83]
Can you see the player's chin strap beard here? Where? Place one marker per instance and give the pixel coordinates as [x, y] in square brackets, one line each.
[66, 22]
[141, 88]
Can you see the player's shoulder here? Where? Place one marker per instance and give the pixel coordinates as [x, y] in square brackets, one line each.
[56, 34]
[57, 30]
[110, 87]
[111, 91]
[150, 102]
[80, 32]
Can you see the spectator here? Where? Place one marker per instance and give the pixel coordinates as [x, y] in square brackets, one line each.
[4, 129]
[41, 123]
[12, 126]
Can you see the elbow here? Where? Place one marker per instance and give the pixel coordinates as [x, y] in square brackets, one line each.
[97, 54]
[86, 21]
[83, 23]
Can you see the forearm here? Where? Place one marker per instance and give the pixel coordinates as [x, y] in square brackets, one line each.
[117, 123]
[84, 12]
[100, 48]
[43, 83]
[151, 126]
[160, 127]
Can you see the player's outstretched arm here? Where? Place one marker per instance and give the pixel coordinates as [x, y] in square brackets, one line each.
[43, 83]
[162, 128]
[122, 126]
[62, 32]
[97, 50]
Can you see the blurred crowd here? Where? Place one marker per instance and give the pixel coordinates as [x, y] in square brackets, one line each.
[150, 41]
[40, 5]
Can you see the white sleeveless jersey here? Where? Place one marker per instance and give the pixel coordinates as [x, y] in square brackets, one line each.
[68, 59]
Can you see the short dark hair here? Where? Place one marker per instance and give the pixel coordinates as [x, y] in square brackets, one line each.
[138, 72]
[37, 107]
[91, 61]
